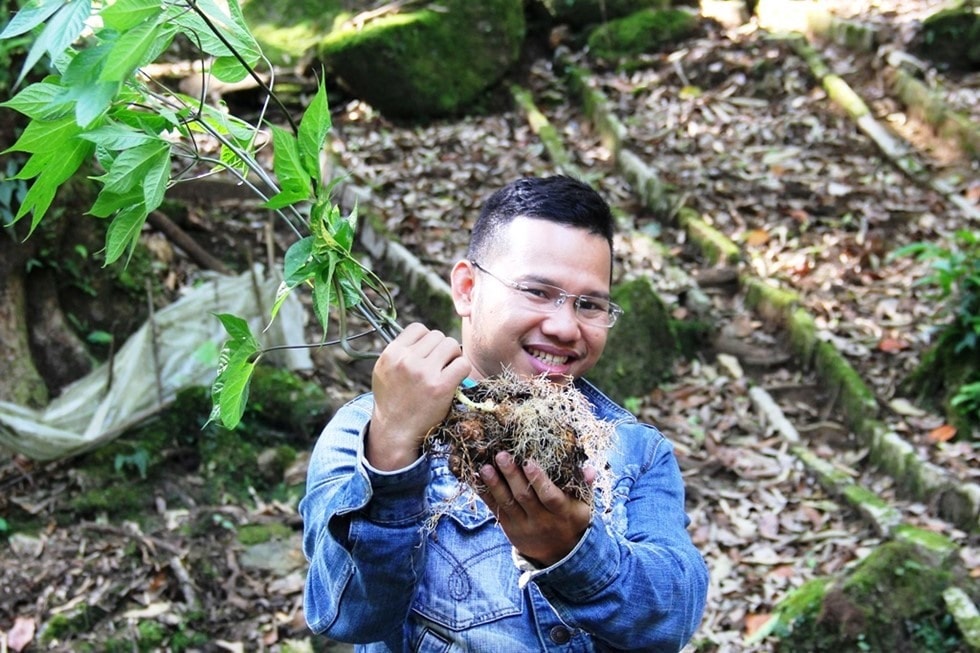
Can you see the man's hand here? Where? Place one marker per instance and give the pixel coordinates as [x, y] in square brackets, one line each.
[414, 382]
[543, 523]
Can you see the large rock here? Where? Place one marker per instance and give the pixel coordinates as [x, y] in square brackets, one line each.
[428, 62]
[579, 13]
[641, 347]
[649, 30]
[952, 36]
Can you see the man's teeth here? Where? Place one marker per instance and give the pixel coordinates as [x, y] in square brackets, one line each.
[549, 359]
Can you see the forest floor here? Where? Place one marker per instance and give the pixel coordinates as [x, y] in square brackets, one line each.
[736, 120]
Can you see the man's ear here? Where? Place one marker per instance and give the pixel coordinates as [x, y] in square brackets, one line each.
[461, 280]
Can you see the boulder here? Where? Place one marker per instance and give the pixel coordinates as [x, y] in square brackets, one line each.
[649, 30]
[641, 347]
[427, 62]
[951, 36]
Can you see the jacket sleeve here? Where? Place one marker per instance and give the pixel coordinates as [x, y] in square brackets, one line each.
[362, 535]
[635, 581]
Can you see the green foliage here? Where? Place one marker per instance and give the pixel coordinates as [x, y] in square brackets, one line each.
[955, 281]
[98, 108]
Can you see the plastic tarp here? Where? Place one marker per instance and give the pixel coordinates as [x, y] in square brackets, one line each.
[177, 348]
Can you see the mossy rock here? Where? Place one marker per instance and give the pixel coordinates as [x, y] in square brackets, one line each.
[952, 36]
[435, 61]
[579, 13]
[649, 30]
[641, 347]
[891, 601]
[287, 29]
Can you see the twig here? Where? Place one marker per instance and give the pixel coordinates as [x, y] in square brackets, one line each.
[186, 586]
[181, 239]
[153, 341]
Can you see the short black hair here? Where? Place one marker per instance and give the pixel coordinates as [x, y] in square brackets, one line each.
[559, 199]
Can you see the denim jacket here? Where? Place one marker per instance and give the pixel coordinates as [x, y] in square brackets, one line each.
[378, 577]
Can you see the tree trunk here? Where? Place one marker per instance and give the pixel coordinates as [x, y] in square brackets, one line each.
[20, 383]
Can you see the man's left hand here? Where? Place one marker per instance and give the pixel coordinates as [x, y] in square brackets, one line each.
[543, 523]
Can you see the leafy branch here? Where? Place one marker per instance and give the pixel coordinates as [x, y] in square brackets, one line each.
[99, 111]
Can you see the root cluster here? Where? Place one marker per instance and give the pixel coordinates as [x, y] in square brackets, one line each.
[533, 419]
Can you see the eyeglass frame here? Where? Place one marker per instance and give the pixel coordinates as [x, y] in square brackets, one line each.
[614, 311]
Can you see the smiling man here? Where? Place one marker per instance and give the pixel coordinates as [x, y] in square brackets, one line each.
[521, 566]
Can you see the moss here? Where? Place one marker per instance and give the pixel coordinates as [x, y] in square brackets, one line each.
[641, 349]
[152, 635]
[410, 64]
[64, 626]
[644, 31]
[250, 534]
[122, 500]
[859, 402]
[287, 29]
[579, 13]
[714, 245]
[891, 601]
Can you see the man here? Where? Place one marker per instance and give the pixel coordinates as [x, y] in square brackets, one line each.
[522, 567]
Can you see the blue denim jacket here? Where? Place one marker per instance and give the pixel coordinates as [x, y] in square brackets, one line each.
[377, 577]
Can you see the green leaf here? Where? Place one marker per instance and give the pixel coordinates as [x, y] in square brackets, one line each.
[295, 261]
[236, 363]
[230, 25]
[293, 180]
[323, 295]
[132, 165]
[40, 101]
[313, 130]
[124, 232]
[122, 16]
[30, 16]
[156, 178]
[61, 30]
[108, 202]
[129, 50]
[117, 136]
[45, 136]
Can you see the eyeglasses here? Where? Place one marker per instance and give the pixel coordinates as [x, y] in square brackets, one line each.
[545, 298]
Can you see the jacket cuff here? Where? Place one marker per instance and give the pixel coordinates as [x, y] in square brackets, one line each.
[396, 496]
[586, 570]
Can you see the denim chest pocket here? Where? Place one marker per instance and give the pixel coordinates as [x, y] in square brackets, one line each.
[470, 577]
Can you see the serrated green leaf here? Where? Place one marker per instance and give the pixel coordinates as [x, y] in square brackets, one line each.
[313, 130]
[108, 202]
[230, 24]
[295, 260]
[124, 232]
[94, 101]
[40, 101]
[286, 163]
[228, 70]
[128, 51]
[236, 363]
[121, 16]
[132, 165]
[51, 169]
[156, 177]
[323, 295]
[116, 136]
[45, 135]
[31, 15]
[61, 30]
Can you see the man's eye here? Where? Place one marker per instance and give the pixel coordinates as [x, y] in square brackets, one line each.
[590, 305]
[537, 292]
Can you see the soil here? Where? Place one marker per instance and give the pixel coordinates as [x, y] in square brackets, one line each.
[736, 121]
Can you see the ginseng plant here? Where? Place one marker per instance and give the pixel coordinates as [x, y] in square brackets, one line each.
[100, 107]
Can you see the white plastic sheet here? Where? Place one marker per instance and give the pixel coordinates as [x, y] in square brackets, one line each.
[176, 349]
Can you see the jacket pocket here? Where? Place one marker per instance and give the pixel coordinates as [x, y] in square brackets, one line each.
[470, 578]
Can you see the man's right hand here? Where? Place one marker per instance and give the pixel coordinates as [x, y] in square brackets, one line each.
[414, 382]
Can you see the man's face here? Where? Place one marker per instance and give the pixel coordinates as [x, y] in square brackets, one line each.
[498, 328]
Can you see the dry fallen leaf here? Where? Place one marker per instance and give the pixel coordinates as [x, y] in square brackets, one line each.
[892, 345]
[754, 622]
[21, 635]
[942, 433]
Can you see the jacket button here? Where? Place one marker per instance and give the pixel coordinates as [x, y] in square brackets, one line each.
[560, 635]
